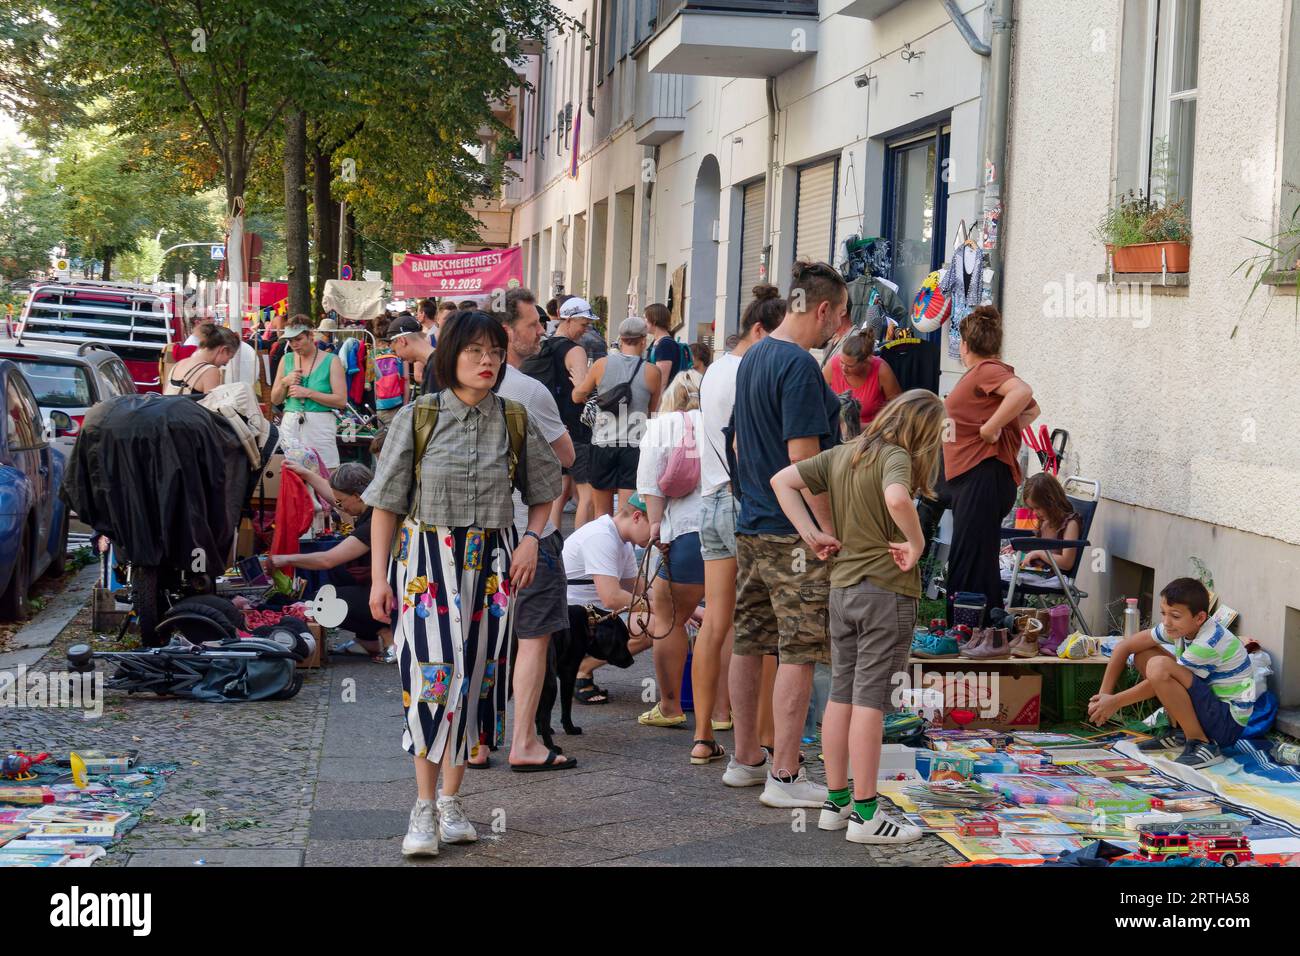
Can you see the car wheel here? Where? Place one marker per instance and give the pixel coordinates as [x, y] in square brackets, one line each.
[59, 563]
[13, 604]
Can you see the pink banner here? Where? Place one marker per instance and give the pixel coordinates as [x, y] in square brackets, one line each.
[459, 274]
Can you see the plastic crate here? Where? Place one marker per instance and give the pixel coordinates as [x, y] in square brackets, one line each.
[1067, 688]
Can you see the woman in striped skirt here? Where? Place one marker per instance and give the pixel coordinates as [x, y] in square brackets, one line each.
[442, 496]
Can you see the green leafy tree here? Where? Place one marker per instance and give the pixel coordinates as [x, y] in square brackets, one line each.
[31, 218]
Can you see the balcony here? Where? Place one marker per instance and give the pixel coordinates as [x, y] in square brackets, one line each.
[863, 9]
[512, 190]
[660, 105]
[755, 38]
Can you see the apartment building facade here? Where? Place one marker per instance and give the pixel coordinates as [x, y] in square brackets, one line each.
[1183, 401]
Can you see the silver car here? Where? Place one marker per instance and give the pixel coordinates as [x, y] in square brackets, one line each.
[68, 378]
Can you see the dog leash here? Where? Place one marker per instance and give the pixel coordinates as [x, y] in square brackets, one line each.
[641, 592]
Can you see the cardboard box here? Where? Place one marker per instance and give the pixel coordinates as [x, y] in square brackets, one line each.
[322, 655]
[1016, 705]
[245, 542]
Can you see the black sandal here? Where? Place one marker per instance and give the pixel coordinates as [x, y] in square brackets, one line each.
[550, 763]
[585, 692]
[716, 753]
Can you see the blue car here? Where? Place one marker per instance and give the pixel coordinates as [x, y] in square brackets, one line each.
[33, 518]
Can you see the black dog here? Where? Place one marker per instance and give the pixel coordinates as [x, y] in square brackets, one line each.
[564, 657]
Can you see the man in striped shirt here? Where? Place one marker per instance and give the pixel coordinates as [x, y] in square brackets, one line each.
[1196, 667]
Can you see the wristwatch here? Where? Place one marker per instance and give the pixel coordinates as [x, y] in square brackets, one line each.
[533, 534]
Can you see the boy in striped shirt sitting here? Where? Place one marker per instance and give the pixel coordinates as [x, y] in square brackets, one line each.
[1195, 666]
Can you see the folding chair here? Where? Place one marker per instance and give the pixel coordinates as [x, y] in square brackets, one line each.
[1087, 508]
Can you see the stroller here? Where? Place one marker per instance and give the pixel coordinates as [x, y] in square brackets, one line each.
[166, 479]
[223, 670]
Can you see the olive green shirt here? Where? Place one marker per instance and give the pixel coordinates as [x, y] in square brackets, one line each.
[863, 524]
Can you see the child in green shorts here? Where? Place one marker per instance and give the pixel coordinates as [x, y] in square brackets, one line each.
[875, 584]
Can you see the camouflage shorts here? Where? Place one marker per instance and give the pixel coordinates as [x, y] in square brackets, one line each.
[782, 592]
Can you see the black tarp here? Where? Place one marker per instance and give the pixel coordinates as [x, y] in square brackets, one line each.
[161, 476]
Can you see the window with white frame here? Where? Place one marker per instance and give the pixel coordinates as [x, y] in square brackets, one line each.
[1290, 210]
[1157, 107]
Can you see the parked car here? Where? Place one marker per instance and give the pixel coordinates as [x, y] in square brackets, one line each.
[138, 322]
[70, 378]
[33, 518]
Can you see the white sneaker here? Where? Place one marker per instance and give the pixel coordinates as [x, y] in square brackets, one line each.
[833, 817]
[422, 832]
[743, 775]
[881, 828]
[798, 792]
[453, 825]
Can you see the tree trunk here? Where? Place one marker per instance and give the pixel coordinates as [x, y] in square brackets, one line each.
[325, 216]
[295, 211]
[108, 265]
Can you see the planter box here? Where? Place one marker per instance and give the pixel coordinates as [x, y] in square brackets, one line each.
[1145, 257]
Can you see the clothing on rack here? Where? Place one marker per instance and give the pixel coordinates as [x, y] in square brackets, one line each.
[914, 362]
[963, 284]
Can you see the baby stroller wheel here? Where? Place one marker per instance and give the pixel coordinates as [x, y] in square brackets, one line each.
[148, 600]
[290, 691]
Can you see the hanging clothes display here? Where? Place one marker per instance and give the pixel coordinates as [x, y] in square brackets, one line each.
[963, 284]
[914, 362]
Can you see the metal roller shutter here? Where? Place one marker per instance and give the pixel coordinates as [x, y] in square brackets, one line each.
[751, 241]
[815, 213]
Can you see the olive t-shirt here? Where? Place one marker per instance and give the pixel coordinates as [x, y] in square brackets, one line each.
[863, 524]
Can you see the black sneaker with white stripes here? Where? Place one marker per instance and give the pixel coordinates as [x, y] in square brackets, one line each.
[1172, 739]
[1200, 753]
[881, 828]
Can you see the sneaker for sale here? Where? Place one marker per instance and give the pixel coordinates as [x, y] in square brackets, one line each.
[1200, 753]
[453, 825]
[833, 817]
[1171, 738]
[881, 828]
[932, 646]
[788, 792]
[742, 775]
[422, 831]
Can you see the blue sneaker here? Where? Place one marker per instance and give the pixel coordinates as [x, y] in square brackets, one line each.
[931, 647]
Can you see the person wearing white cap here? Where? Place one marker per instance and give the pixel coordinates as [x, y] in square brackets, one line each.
[310, 383]
[616, 436]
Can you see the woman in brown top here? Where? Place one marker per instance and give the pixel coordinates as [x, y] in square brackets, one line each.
[988, 408]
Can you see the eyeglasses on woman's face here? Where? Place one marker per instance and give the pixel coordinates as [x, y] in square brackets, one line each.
[475, 354]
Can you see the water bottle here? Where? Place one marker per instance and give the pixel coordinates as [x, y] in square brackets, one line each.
[1132, 623]
[1286, 753]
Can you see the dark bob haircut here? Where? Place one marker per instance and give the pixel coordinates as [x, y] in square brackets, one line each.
[461, 330]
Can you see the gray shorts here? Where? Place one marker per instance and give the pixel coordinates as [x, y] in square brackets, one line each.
[718, 525]
[871, 636]
[542, 608]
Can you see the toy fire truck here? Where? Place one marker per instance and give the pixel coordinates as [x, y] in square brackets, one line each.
[1221, 841]
[977, 825]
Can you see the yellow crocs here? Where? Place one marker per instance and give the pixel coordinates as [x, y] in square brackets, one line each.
[655, 718]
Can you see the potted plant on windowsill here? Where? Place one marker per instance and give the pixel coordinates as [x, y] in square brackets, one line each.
[1142, 234]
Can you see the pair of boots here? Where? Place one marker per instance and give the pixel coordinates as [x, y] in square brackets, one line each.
[992, 642]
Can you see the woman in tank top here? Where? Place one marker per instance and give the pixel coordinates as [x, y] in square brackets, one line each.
[311, 384]
[201, 371]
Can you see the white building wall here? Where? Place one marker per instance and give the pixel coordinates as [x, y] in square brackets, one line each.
[1190, 428]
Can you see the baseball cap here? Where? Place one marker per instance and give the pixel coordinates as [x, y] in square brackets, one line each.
[633, 328]
[327, 325]
[403, 325]
[293, 331]
[637, 502]
[575, 308]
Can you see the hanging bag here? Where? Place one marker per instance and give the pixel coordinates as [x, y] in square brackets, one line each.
[681, 474]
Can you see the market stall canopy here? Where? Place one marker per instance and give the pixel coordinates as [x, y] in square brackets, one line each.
[353, 300]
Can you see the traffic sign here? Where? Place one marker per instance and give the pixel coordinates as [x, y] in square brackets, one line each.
[217, 252]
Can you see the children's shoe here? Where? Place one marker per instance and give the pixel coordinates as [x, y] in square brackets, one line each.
[1025, 645]
[422, 831]
[1200, 753]
[932, 647]
[833, 817]
[881, 828]
[1171, 739]
[995, 644]
[743, 775]
[792, 792]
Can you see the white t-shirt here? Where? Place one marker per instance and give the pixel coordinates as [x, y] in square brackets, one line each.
[663, 433]
[540, 405]
[717, 398]
[596, 548]
[242, 368]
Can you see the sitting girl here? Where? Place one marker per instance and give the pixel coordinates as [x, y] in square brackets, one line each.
[1056, 519]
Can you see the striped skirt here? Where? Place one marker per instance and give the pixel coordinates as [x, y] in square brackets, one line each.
[452, 635]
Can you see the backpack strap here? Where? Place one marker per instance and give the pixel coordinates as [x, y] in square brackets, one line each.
[424, 419]
[517, 430]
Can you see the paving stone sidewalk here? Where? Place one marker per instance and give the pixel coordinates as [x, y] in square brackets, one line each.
[322, 780]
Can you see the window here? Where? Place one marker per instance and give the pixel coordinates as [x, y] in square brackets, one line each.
[58, 384]
[814, 216]
[915, 203]
[1157, 109]
[23, 417]
[607, 36]
[1291, 130]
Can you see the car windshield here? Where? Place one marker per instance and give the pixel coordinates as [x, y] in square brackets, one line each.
[57, 385]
